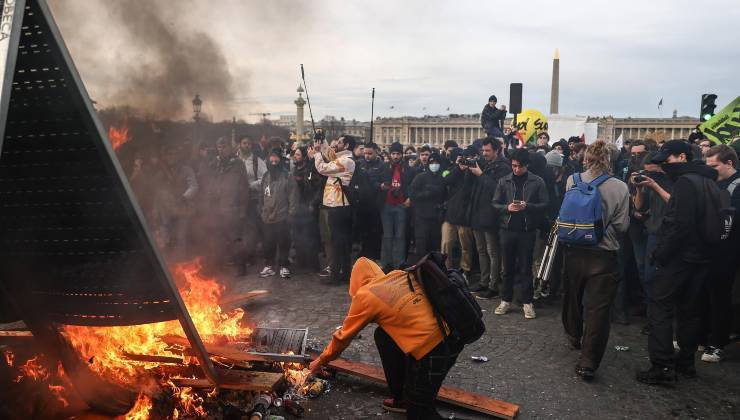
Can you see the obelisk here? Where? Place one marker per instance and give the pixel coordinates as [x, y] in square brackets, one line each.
[555, 91]
[299, 103]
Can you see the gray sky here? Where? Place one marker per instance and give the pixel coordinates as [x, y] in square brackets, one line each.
[617, 58]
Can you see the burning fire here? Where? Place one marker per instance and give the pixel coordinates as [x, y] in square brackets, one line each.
[141, 409]
[106, 346]
[118, 135]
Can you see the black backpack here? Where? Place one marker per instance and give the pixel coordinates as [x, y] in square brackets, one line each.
[450, 298]
[718, 211]
[358, 192]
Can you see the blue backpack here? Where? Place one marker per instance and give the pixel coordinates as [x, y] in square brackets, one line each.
[580, 220]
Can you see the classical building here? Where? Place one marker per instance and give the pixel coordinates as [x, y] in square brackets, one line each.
[435, 130]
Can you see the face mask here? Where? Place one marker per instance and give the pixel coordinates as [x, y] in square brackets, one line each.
[434, 167]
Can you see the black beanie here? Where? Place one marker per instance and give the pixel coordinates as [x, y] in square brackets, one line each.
[396, 148]
[492, 98]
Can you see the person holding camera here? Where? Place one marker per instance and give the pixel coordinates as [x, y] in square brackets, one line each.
[396, 179]
[456, 231]
[484, 219]
[521, 200]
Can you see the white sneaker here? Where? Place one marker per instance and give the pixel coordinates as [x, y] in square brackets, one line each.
[675, 346]
[284, 272]
[712, 355]
[502, 308]
[267, 272]
[529, 311]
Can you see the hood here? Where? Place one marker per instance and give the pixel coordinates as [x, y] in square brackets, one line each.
[675, 170]
[364, 272]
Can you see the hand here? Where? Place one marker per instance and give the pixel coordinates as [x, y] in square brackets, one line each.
[385, 187]
[503, 107]
[647, 182]
[515, 207]
[476, 170]
[314, 366]
[311, 152]
[407, 203]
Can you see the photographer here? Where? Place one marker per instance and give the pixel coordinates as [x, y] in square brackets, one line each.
[456, 231]
[484, 219]
[492, 118]
[395, 182]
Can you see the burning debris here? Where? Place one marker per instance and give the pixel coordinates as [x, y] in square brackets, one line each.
[118, 136]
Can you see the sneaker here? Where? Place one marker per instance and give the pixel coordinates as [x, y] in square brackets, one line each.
[284, 272]
[545, 290]
[712, 355]
[267, 272]
[488, 294]
[657, 375]
[529, 311]
[502, 308]
[675, 346]
[478, 288]
[390, 404]
[325, 272]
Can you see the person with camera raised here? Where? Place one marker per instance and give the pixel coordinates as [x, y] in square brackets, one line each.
[521, 200]
[484, 219]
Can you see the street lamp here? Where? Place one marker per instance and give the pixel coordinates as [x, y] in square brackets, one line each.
[197, 103]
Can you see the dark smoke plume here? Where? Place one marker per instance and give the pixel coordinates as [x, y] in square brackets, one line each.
[158, 61]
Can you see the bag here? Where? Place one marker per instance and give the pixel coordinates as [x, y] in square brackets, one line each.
[358, 190]
[580, 219]
[718, 211]
[450, 298]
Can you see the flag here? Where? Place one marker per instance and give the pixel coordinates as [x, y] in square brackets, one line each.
[619, 142]
[660, 104]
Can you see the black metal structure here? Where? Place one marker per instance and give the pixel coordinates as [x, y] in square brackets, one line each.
[74, 248]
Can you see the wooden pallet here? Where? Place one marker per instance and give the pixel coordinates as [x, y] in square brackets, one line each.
[454, 396]
[233, 379]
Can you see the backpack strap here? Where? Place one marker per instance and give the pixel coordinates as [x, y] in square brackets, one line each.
[599, 180]
[732, 186]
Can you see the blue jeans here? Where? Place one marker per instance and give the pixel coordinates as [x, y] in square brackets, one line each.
[643, 246]
[393, 252]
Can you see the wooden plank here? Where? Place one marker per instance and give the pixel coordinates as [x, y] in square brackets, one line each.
[214, 350]
[454, 396]
[25, 334]
[241, 380]
[232, 302]
[153, 359]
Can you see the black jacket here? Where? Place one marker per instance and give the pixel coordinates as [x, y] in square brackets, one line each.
[483, 216]
[309, 188]
[492, 118]
[374, 172]
[459, 187]
[735, 201]
[679, 236]
[534, 194]
[407, 176]
[427, 193]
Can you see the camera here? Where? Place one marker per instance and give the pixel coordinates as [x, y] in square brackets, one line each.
[319, 135]
[469, 161]
[640, 176]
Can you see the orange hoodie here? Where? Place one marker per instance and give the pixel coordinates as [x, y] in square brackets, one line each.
[386, 300]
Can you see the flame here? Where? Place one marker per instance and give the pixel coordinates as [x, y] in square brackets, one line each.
[9, 357]
[58, 391]
[118, 136]
[141, 409]
[33, 369]
[190, 402]
[106, 346]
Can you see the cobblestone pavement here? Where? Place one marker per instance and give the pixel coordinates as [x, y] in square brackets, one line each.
[530, 363]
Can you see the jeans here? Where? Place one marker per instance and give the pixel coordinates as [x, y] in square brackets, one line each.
[592, 272]
[676, 294]
[643, 247]
[458, 236]
[340, 222]
[489, 257]
[276, 244]
[416, 381]
[518, 250]
[393, 252]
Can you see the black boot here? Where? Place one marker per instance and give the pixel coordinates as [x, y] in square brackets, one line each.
[657, 375]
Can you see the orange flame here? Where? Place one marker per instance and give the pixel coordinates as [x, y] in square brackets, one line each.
[106, 346]
[33, 369]
[141, 409]
[9, 357]
[118, 136]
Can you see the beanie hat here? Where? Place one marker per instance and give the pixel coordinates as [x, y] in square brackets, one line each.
[396, 148]
[277, 152]
[554, 159]
[492, 98]
[450, 143]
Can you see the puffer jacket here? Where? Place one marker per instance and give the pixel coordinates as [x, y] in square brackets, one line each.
[279, 196]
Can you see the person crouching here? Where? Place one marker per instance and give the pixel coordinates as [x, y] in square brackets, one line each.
[408, 337]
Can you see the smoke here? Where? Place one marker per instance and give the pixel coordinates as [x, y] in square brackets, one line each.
[148, 55]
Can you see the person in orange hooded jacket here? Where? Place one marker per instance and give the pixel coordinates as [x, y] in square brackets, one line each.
[415, 357]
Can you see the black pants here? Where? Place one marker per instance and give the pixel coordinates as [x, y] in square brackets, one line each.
[675, 291]
[428, 237]
[306, 241]
[717, 305]
[371, 232]
[340, 227]
[517, 249]
[416, 381]
[276, 243]
[592, 272]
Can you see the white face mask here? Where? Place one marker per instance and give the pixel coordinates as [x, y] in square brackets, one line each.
[434, 167]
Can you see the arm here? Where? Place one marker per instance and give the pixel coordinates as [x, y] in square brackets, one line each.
[540, 203]
[621, 218]
[293, 197]
[499, 198]
[333, 168]
[357, 318]
[191, 182]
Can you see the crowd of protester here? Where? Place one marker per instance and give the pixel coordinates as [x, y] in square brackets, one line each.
[315, 207]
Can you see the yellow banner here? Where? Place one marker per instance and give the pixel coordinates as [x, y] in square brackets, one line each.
[725, 125]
